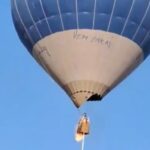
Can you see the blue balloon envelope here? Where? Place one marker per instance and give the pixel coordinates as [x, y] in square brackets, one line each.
[87, 46]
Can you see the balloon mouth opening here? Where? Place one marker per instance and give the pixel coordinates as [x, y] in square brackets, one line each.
[95, 97]
[82, 91]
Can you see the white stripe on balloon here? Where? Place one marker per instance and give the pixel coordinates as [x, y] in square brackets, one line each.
[129, 14]
[143, 19]
[59, 11]
[28, 34]
[33, 21]
[112, 12]
[94, 13]
[144, 40]
[77, 17]
[44, 13]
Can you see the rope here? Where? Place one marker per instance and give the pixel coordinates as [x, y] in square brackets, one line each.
[83, 143]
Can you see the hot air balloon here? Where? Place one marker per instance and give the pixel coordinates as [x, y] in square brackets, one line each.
[87, 46]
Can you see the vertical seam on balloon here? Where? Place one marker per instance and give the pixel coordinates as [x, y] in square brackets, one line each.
[44, 13]
[143, 19]
[21, 20]
[129, 14]
[59, 11]
[147, 35]
[112, 12]
[32, 19]
[94, 14]
[77, 17]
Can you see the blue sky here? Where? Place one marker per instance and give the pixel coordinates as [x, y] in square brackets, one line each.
[35, 114]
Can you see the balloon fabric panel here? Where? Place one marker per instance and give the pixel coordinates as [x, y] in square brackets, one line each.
[37, 19]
